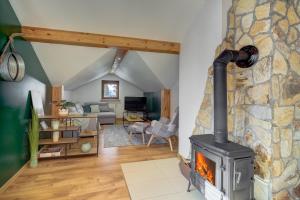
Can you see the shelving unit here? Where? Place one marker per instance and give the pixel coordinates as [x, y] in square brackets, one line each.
[71, 145]
[61, 128]
[60, 141]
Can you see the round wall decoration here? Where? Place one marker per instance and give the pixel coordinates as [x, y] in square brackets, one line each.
[12, 67]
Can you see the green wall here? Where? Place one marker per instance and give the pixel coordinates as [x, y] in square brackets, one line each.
[15, 102]
[153, 104]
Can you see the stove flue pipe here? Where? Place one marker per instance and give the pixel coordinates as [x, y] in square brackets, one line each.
[244, 58]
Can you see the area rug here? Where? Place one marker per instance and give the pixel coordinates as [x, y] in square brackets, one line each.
[157, 180]
[117, 135]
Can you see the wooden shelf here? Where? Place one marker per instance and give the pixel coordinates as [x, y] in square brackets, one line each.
[77, 152]
[72, 153]
[62, 128]
[68, 116]
[88, 134]
[72, 145]
[60, 141]
[74, 149]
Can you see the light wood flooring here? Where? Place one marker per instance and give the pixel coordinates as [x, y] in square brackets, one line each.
[82, 178]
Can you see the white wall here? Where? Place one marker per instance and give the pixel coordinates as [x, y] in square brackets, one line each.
[197, 53]
[92, 92]
[226, 4]
[67, 95]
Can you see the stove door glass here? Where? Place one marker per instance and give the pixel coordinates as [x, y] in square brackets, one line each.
[205, 167]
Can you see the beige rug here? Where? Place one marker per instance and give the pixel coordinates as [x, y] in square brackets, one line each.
[157, 180]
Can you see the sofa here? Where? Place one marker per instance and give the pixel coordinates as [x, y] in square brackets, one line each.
[84, 123]
[106, 115]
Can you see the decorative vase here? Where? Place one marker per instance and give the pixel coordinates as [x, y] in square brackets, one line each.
[55, 136]
[63, 112]
[33, 160]
[86, 147]
[55, 124]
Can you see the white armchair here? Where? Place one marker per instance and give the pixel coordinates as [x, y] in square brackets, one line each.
[140, 127]
[163, 130]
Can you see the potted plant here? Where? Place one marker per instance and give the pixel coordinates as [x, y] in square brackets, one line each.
[33, 135]
[63, 107]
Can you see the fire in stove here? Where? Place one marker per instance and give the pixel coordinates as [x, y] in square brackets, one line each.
[205, 167]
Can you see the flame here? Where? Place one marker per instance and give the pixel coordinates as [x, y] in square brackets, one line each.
[205, 167]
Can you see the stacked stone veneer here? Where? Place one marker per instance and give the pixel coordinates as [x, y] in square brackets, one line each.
[264, 100]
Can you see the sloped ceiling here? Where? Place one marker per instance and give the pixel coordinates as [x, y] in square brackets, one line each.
[134, 70]
[164, 66]
[150, 19]
[74, 66]
[96, 70]
[63, 62]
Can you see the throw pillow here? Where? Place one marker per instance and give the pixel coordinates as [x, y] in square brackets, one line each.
[79, 108]
[94, 108]
[86, 108]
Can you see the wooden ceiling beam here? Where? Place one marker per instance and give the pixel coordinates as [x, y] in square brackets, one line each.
[45, 35]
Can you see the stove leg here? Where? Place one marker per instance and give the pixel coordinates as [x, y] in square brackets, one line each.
[189, 186]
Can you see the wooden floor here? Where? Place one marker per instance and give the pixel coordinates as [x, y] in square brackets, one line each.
[83, 178]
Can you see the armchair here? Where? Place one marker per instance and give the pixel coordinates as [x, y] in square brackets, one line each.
[139, 127]
[166, 131]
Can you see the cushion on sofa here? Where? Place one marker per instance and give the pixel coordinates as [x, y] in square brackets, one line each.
[104, 107]
[86, 108]
[107, 117]
[107, 114]
[95, 108]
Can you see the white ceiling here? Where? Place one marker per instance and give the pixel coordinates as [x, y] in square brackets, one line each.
[150, 19]
[164, 66]
[96, 70]
[134, 70]
[74, 66]
[62, 62]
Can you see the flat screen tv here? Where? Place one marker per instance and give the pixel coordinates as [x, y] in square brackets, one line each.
[135, 103]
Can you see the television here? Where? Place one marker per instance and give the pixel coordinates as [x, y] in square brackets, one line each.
[135, 104]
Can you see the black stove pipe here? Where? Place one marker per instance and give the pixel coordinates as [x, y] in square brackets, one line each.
[244, 58]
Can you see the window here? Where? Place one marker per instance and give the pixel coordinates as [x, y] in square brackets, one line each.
[110, 89]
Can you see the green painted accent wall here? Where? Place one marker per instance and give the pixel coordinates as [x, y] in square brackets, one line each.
[153, 104]
[15, 101]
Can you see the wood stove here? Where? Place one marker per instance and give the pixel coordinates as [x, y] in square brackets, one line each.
[221, 169]
[228, 167]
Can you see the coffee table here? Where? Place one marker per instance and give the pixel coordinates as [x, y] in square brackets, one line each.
[129, 119]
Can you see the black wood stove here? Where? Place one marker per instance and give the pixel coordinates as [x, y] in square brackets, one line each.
[222, 169]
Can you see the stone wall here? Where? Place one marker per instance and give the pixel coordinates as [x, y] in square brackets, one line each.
[264, 100]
